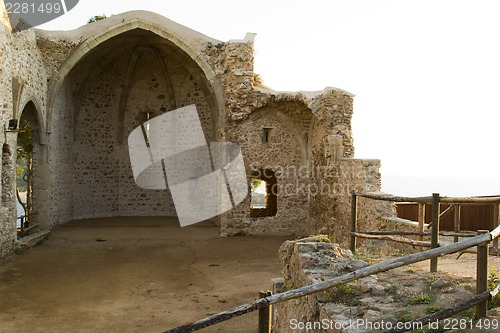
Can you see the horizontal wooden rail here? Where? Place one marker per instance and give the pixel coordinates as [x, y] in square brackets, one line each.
[393, 238]
[425, 233]
[428, 200]
[402, 221]
[321, 286]
[394, 198]
[471, 200]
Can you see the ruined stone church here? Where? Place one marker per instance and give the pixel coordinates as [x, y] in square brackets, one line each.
[84, 91]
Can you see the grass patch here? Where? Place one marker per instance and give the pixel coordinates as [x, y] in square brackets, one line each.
[363, 255]
[322, 239]
[404, 316]
[391, 290]
[411, 269]
[433, 309]
[421, 299]
[343, 294]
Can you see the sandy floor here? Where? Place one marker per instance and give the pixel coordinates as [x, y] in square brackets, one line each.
[465, 266]
[134, 275]
[144, 275]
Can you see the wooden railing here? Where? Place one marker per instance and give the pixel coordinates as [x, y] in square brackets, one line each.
[435, 200]
[480, 300]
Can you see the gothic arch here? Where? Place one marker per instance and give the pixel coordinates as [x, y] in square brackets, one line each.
[169, 31]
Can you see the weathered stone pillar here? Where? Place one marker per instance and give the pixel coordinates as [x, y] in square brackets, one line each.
[7, 175]
[7, 211]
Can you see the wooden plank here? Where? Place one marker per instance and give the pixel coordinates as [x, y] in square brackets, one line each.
[317, 287]
[482, 275]
[398, 233]
[264, 314]
[425, 233]
[496, 222]
[446, 211]
[394, 198]
[401, 220]
[471, 200]
[458, 234]
[354, 217]
[394, 239]
[435, 229]
[421, 219]
[456, 222]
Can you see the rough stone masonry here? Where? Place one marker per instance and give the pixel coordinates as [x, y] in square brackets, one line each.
[85, 90]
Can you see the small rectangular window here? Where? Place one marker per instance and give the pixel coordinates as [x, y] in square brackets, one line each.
[266, 135]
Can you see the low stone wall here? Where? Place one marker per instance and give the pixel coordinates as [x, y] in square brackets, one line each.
[307, 261]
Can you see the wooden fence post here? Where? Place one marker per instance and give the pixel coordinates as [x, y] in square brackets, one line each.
[496, 222]
[456, 222]
[421, 220]
[435, 229]
[354, 217]
[482, 275]
[265, 314]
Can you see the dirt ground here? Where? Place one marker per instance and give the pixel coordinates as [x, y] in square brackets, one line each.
[134, 275]
[146, 275]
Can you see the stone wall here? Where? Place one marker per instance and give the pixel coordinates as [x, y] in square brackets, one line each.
[7, 208]
[340, 309]
[305, 262]
[88, 89]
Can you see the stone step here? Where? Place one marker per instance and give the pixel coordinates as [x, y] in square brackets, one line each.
[31, 240]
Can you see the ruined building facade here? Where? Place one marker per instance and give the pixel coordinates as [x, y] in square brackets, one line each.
[84, 91]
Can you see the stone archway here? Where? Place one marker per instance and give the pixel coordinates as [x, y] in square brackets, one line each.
[31, 185]
[121, 83]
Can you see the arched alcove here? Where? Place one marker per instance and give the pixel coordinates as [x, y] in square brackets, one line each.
[29, 170]
[119, 84]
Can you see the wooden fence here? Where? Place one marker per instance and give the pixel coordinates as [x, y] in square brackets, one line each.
[481, 240]
[422, 228]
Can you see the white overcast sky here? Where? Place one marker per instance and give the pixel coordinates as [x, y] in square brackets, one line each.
[426, 74]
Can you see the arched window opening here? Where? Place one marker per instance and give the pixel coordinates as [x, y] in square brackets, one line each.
[27, 146]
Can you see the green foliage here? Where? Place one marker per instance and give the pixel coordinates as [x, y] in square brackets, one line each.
[257, 78]
[362, 255]
[421, 299]
[322, 239]
[492, 283]
[97, 18]
[343, 294]
[255, 183]
[433, 309]
[391, 290]
[469, 314]
[404, 316]
[24, 140]
[24, 152]
[492, 278]
[411, 269]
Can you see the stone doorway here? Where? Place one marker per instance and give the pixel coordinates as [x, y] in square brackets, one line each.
[28, 159]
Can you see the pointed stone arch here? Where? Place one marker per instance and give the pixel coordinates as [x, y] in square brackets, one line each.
[192, 45]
